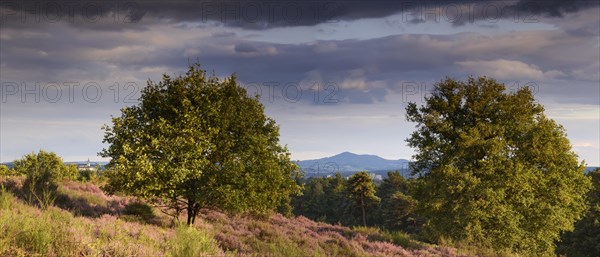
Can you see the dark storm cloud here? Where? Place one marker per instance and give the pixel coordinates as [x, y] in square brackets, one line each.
[251, 14]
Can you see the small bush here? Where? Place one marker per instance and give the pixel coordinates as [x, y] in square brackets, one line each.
[190, 241]
[87, 175]
[402, 239]
[42, 170]
[69, 172]
[139, 209]
[140, 212]
[5, 171]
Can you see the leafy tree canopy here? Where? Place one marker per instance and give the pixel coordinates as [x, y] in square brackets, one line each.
[198, 141]
[585, 239]
[495, 170]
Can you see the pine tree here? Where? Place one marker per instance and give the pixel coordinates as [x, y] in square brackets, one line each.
[362, 191]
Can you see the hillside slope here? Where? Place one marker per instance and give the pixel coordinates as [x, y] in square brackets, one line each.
[87, 222]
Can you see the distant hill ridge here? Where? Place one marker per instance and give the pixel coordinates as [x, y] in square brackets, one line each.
[348, 162]
[345, 162]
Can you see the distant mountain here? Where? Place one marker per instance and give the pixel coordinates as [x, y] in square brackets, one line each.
[347, 162]
[589, 169]
[10, 165]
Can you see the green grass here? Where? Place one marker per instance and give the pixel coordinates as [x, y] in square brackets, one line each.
[400, 238]
[403, 239]
[6, 198]
[476, 250]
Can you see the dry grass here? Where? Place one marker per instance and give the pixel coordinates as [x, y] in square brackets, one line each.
[87, 222]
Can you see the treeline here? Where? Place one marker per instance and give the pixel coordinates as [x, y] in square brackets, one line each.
[393, 206]
[585, 239]
[334, 200]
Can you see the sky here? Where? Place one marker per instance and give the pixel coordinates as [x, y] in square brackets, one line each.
[335, 75]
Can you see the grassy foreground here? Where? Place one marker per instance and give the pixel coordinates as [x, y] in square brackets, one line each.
[86, 222]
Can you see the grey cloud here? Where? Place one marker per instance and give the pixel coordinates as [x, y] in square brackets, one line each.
[418, 58]
[246, 48]
[261, 14]
[55, 52]
[555, 8]
[224, 34]
[394, 59]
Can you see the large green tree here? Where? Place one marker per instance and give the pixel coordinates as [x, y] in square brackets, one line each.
[495, 171]
[197, 141]
[585, 239]
[362, 191]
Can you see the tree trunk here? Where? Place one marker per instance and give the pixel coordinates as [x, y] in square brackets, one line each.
[362, 207]
[195, 210]
[190, 212]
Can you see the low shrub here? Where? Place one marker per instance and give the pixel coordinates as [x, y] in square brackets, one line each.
[190, 241]
[5, 171]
